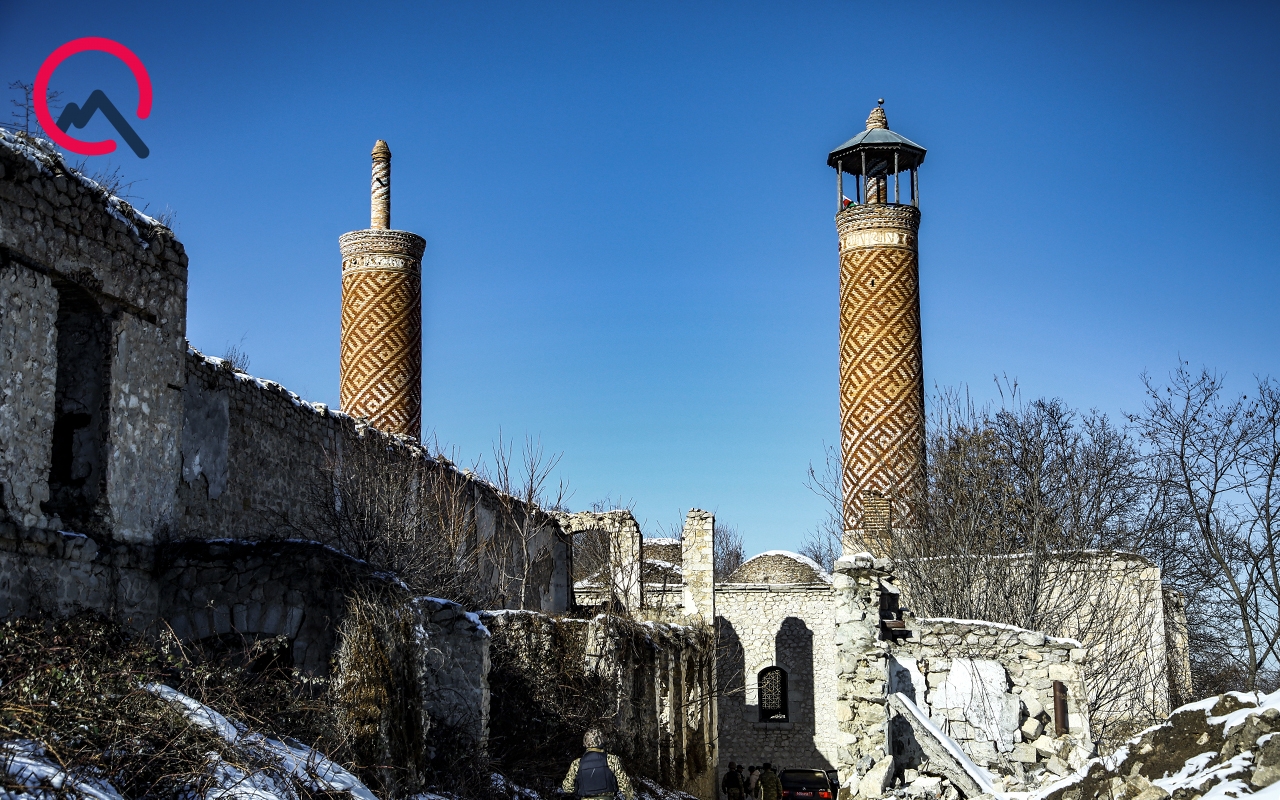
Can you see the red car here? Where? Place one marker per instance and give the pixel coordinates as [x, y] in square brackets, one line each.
[806, 784]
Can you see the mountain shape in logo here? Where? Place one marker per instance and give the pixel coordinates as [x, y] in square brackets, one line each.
[79, 116]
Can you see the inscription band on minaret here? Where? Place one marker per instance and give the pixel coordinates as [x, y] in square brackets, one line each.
[381, 344]
[881, 360]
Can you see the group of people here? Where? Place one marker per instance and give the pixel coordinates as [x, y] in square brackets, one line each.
[757, 783]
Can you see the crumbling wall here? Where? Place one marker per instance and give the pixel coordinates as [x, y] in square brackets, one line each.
[990, 688]
[256, 458]
[648, 685]
[28, 370]
[59, 229]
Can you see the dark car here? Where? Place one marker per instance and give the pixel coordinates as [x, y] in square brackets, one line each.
[806, 784]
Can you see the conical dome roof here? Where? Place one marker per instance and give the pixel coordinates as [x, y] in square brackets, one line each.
[879, 143]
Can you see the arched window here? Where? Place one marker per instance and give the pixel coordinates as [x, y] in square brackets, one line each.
[772, 685]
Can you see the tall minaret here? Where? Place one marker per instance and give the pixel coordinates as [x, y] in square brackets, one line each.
[881, 365]
[381, 363]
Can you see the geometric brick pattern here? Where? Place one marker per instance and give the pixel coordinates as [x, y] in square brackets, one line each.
[381, 348]
[881, 371]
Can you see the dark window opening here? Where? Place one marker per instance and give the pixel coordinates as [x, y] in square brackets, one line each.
[772, 685]
[77, 472]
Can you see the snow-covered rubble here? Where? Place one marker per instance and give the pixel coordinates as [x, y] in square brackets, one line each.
[1223, 747]
[283, 762]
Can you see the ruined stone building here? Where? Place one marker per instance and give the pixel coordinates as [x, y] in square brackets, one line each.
[143, 479]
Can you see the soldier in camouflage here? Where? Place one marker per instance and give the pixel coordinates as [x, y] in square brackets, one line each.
[597, 775]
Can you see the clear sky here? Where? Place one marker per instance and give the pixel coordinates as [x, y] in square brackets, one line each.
[628, 210]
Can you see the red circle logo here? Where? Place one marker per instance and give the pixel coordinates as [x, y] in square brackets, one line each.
[58, 134]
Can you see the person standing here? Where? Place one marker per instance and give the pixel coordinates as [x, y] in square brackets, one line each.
[597, 775]
[770, 786]
[731, 783]
[753, 782]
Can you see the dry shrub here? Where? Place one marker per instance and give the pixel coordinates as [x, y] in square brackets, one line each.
[543, 700]
[377, 694]
[75, 688]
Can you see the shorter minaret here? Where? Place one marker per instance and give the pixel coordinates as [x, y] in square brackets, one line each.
[381, 352]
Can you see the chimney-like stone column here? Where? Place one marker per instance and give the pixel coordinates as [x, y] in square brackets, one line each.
[698, 562]
[380, 188]
[381, 344]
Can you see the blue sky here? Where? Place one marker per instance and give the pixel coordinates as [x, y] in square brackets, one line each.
[631, 251]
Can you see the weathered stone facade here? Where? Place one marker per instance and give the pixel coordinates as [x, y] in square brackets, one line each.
[650, 686]
[786, 625]
[990, 688]
[121, 447]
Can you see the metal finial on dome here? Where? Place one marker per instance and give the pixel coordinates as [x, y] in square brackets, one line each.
[877, 118]
[880, 102]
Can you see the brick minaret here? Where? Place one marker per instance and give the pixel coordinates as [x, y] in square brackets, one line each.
[881, 366]
[381, 362]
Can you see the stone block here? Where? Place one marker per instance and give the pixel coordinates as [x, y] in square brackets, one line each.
[877, 779]
[1063, 672]
[1032, 728]
[1025, 753]
[1046, 747]
[982, 752]
[1031, 638]
[1057, 766]
[1033, 705]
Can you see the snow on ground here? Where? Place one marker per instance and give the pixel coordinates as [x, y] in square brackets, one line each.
[27, 765]
[285, 760]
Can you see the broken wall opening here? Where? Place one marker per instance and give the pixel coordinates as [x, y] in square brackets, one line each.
[77, 472]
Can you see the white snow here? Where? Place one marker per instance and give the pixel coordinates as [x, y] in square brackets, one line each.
[1259, 703]
[290, 759]
[27, 765]
[662, 540]
[979, 775]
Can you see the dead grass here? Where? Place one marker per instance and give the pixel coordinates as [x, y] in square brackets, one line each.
[75, 687]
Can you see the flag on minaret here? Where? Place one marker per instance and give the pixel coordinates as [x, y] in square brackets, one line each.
[847, 201]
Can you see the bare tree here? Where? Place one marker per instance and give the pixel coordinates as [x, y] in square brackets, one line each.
[416, 520]
[823, 543]
[525, 496]
[728, 548]
[1219, 455]
[23, 117]
[1027, 515]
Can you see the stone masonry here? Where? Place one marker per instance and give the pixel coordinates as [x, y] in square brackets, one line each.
[699, 560]
[381, 358]
[990, 688]
[881, 366]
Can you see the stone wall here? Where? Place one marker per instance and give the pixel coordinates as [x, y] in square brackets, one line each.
[648, 685]
[63, 234]
[143, 480]
[254, 453]
[787, 626]
[698, 560]
[990, 688]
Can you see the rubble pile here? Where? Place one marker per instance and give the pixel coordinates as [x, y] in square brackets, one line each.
[1225, 746]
